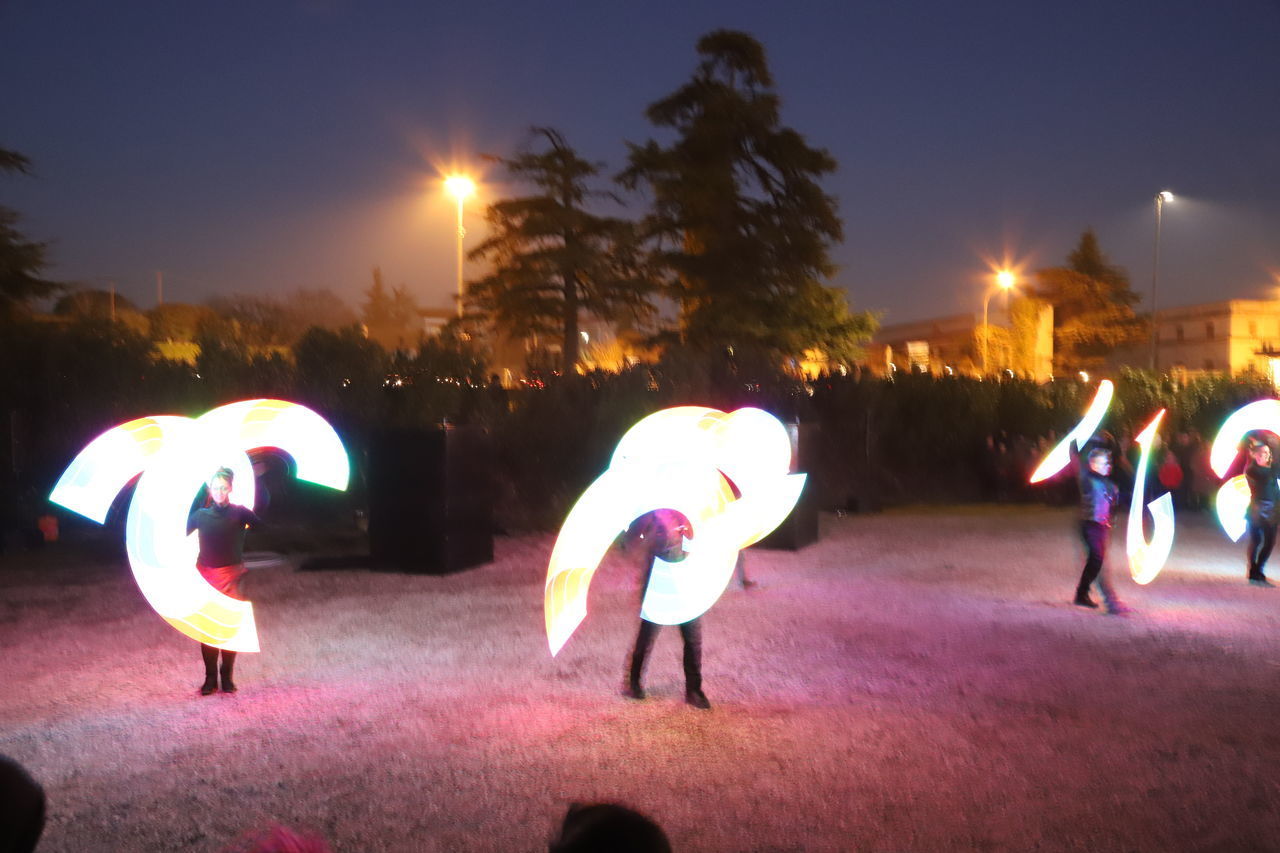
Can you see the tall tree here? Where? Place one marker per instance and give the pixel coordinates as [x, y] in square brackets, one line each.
[390, 318]
[20, 259]
[551, 259]
[1092, 307]
[743, 224]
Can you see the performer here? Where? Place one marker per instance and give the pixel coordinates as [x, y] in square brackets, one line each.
[220, 562]
[662, 532]
[1260, 521]
[1098, 497]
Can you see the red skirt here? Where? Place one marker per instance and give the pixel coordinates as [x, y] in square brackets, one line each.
[225, 579]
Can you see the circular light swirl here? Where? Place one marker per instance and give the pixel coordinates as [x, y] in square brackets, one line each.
[688, 459]
[175, 456]
[1233, 496]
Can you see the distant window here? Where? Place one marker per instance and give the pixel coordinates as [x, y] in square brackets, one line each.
[1177, 332]
[1208, 333]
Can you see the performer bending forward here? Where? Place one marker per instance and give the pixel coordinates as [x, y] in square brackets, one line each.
[1098, 496]
[1260, 522]
[661, 534]
[220, 527]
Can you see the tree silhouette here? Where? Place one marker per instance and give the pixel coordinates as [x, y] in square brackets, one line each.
[551, 259]
[743, 225]
[20, 259]
[1092, 307]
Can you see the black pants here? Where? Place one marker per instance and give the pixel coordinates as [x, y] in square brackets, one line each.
[1261, 538]
[1095, 538]
[210, 655]
[691, 631]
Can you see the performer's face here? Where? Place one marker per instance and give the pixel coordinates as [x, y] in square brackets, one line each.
[220, 491]
[1100, 464]
[1262, 456]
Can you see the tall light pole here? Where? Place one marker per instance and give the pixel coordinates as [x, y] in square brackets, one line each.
[1161, 198]
[461, 188]
[1005, 281]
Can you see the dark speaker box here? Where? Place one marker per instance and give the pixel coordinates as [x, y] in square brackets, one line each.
[430, 499]
[800, 527]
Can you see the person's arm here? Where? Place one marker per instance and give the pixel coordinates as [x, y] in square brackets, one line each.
[250, 518]
[202, 497]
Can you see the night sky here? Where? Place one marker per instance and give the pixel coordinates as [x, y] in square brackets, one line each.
[262, 147]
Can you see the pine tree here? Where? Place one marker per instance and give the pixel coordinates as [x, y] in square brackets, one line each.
[551, 259]
[1092, 307]
[743, 224]
[392, 319]
[20, 259]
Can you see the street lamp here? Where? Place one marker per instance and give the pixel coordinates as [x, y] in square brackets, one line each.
[1005, 280]
[1161, 198]
[461, 188]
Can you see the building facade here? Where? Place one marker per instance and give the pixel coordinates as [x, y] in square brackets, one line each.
[1019, 340]
[1236, 337]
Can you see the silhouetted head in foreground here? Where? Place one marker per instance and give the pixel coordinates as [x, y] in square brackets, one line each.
[21, 808]
[608, 827]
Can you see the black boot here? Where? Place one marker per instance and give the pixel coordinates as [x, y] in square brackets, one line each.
[692, 634]
[210, 655]
[644, 642]
[228, 664]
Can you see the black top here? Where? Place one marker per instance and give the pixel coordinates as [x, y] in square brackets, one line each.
[1098, 496]
[221, 530]
[1264, 492]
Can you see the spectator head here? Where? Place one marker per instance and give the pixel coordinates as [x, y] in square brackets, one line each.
[22, 805]
[608, 827]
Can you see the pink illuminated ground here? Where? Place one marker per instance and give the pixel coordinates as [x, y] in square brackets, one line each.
[914, 681]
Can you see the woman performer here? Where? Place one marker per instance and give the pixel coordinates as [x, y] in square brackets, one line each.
[220, 528]
[663, 532]
[1260, 521]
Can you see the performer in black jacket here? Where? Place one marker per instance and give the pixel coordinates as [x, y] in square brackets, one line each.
[1098, 497]
[661, 533]
[220, 528]
[1260, 521]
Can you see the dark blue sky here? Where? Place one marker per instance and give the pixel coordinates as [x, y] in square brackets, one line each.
[266, 146]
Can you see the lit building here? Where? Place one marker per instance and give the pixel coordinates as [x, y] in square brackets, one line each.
[1235, 337]
[1020, 340]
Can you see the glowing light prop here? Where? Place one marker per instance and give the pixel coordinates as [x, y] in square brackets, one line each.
[687, 459]
[1060, 456]
[175, 455]
[1146, 559]
[1232, 502]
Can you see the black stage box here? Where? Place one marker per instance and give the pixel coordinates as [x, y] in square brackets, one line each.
[801, 526]
[431, 499]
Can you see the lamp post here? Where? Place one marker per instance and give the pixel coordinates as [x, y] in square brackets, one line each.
[461, 188]
[1161, 198]
[1004, 281]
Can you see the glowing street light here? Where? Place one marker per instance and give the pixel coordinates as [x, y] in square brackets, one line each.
[1005, 280]
[1161, 198]
[461, 188]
